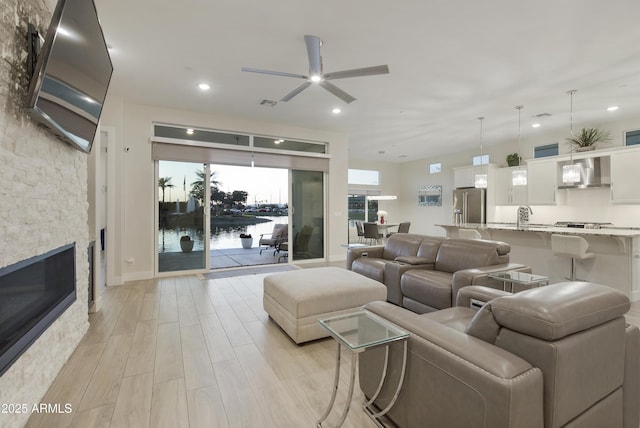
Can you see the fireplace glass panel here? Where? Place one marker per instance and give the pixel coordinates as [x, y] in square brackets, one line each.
[33, 293]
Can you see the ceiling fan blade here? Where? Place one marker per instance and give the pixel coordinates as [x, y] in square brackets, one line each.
[296, 91]
[357, 72]
[275, 73]
[313, 50]
[337, 92]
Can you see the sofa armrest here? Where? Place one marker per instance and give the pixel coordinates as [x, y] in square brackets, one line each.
[414, 260]
[445, 365]
[478, 293]
[356, 253]
[393, 273]
[485, 355]
[480, 276]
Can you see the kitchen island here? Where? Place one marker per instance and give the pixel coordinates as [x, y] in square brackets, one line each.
[617, 252]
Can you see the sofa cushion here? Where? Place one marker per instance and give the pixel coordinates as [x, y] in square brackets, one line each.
[429, 286]
[456, 318]
[401, 244]
[429, 248]
[458, 254]
[370, 267]
[558, 310]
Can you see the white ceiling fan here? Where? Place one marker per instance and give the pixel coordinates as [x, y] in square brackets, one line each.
[317, 76]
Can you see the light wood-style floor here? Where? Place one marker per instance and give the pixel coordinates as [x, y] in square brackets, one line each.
[191, 352]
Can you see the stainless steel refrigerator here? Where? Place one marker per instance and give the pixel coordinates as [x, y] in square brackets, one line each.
[469, 205]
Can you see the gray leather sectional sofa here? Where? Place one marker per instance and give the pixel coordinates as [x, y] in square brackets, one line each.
[424, 273]
[561, 355]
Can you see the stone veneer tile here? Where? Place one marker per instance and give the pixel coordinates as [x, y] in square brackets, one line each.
[43, 205]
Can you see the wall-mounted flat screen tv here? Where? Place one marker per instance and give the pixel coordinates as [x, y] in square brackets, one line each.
[71, 74]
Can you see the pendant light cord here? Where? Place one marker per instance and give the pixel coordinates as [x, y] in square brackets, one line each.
[571, 92]
[481, 118]
[519, 108]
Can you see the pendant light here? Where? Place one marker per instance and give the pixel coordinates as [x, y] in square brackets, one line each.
[481, 179]
[571, 172]
[519, 176]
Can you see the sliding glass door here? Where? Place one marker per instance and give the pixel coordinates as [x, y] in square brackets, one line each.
[183, 216]
[307, 218]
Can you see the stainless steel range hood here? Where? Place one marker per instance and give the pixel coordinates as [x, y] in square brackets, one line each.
[594, 172]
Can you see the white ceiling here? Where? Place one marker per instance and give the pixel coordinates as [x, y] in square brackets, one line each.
[450, 61]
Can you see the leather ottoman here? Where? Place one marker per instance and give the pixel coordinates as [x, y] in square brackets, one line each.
[295, 300]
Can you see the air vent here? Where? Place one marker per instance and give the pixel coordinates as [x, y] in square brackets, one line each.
[542, 115]
[269, 103]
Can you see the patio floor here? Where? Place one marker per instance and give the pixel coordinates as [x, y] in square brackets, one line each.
[220, 259]
[236, 257]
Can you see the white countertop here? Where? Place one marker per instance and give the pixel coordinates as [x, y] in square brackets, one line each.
[547, 229]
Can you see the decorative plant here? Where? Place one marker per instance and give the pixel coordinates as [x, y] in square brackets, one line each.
[185, 238]
[245, 235]
[588, 137]
[513, 159]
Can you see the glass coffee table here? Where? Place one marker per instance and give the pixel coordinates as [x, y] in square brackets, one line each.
[526, 280]
[358, 332]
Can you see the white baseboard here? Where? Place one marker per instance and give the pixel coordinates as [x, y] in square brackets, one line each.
[137, 276]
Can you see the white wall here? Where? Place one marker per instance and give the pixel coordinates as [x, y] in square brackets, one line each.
[135, 190]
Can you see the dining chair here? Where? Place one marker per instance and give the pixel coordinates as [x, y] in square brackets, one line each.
[403, 227]
[371, 233]
[359, 230]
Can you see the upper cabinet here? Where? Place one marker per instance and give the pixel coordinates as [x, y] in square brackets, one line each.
[505, 192]
[624, 177]
[541, 178]
[465, 176]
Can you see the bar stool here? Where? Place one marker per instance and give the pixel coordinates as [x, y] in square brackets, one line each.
[571, 246]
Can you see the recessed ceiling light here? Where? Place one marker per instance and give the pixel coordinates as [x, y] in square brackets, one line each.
[536, 125]
[278, 141]
[204, 86]
[190, 131]
[336, 111]
[612, 108]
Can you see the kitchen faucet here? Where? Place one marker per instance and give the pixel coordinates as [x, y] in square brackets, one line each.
[523, 215]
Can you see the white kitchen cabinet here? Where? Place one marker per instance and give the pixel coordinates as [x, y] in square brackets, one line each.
[624, 177]
[541, 182]
[465, 176]
[505, 192]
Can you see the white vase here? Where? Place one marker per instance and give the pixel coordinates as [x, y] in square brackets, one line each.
[246, 242]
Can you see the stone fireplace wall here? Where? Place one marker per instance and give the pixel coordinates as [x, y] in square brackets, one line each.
[43, 205]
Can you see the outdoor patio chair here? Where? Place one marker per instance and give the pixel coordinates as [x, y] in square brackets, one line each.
[283, 248]
[279, 234]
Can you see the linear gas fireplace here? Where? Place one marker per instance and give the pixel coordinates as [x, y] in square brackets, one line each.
[33, 293]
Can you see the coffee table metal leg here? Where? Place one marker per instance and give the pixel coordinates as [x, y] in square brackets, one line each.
[336, 380]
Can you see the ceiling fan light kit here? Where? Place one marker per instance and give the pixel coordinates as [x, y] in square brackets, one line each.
[317, 76]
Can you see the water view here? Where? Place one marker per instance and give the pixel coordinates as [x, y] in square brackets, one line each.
[221, 237]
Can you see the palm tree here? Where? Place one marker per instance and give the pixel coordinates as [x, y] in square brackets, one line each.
[163, 183]
[197, 187]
